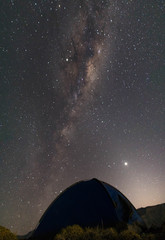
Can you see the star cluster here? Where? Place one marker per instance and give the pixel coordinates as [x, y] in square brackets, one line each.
[82, 95]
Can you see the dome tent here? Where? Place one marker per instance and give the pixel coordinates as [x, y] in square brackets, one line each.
[87, 203]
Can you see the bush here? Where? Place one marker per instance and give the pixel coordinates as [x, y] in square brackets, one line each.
[5, 234]
[91, 234]
[74, 232]
[109, 234]
[129, 235]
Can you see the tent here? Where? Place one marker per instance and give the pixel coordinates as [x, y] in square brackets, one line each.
[87, 203]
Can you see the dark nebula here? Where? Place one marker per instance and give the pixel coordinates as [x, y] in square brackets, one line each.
[82, 95]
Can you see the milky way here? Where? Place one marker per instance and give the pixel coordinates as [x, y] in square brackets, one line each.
[81, 63]
[81, 96]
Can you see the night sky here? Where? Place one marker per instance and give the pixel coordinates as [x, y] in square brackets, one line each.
[82, 95]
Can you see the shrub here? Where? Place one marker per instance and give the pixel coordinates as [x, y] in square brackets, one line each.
[74, 232]
[92, 234]
[129, 235]
[5, 234]
[109, 234]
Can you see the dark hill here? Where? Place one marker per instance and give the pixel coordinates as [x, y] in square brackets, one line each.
[153, 215]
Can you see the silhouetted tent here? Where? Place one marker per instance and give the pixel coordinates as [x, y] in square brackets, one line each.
[87, 203]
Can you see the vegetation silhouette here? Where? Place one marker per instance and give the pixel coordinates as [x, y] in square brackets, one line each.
[5, 234]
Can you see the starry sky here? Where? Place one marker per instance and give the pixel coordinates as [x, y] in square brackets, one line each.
[82, 95]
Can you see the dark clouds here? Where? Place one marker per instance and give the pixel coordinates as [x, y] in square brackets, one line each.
[82, 92]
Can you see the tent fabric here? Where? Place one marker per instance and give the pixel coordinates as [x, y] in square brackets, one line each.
[87, 203]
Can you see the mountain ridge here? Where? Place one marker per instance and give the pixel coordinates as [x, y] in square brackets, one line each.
[153, 216]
